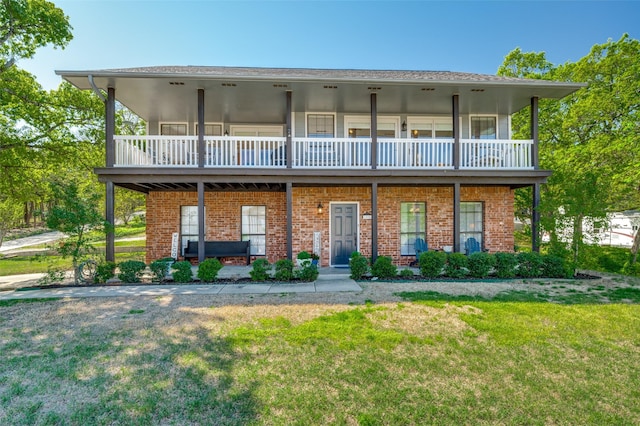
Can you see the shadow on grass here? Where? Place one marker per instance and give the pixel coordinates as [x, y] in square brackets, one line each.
[114, 371]
[596, 297]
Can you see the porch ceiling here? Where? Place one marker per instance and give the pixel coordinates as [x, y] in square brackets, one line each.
[186, 179]
[254, 95]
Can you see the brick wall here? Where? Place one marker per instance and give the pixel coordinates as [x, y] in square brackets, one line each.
[223, 218]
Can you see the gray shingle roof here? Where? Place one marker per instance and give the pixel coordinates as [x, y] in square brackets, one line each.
[317, 74]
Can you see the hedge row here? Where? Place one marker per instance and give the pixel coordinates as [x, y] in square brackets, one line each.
[435, 264]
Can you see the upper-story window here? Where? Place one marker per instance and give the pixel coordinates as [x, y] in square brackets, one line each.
[360, 127]
[483, 128]
[210, 129]
[173, 129]
[430, 128]
[320, 126]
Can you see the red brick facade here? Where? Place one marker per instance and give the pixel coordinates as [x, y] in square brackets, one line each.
[223, 217]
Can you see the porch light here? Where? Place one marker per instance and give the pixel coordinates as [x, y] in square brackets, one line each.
[320, 208]
[404, 126]
[226, 133]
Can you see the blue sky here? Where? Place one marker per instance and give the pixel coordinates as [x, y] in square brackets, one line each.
[469, 36]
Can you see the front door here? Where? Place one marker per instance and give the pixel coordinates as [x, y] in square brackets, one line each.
[344, 233]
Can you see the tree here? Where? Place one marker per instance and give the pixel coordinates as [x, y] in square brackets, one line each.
[10, 215]
[589, 139]
[126, 204]
[74, 215]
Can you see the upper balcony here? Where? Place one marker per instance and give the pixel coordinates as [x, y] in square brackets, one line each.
[322, 153]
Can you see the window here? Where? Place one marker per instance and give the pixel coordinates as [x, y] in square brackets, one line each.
[412, 225]
[429, 128]
[173, 129]
[320, 126]
[360, 127]
[188, 225]
[210, 129]
[254, 228]
[483, 128]
[470, 222]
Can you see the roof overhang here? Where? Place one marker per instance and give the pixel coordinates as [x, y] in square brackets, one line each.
[254, 95]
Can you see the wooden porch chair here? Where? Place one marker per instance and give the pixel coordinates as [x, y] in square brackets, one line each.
[471, 246]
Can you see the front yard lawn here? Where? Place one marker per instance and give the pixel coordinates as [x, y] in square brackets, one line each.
[273, 360]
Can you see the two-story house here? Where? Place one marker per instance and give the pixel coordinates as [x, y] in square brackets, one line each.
[329, 161]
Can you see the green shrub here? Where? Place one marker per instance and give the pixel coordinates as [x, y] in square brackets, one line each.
[431, 263]
[383, 267]
[554, 267]
[456, 266]
[284, 270]
[105, 271]
[632, 269]
[160, 269]
[131, 271]
[208, 270]
[359, 265]
[308, 273]
[260, 270]
[529, 264]
[506, 265]
[406, 273]
[480, 264]
[182, 272]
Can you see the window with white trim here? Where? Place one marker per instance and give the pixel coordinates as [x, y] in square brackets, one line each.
[210, 129]
[188, 225]
[254, 228]
[173, 129]
[413, 221]
[320, 126]
[431, 128]
[471, 220]
[483, 128]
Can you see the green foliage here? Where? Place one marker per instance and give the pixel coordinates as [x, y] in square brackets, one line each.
[304, 255]
[506, 264]
[131, 271]
[456, 266]
[632, 269]
[182, 272]
[555, 267]
[52, 276]
[105, 271]
[406, 273]
[431, 263]
[260, 270]
[75, 214]
[208, 270]
[284, 270]
[308, 273]
[383, 267]
[529, 264]
[359, 265]
[126, 204]
[480, 264]
[10, 215]
[160, 268]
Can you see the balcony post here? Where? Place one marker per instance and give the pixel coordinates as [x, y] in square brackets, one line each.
[201, 236]
[374, 131]
[288, 148]
[201, 146]
[535, 219]
[456, 217]
[455, 106]
[110, 126]
[534, 133]
[289, 187]
[374, 221]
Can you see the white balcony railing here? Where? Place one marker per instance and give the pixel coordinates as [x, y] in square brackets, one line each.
[265, 152]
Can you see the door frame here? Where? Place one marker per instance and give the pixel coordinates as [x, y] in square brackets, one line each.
[332, 203]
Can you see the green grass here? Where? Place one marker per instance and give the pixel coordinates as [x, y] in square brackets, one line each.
[434, 360]
[32, 265]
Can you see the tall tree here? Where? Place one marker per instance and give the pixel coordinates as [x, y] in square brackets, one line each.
[589, 139]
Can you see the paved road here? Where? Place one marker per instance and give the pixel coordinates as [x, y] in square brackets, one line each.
[47, 237]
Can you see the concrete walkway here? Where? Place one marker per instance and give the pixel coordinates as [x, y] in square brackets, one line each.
[33, 240]
[330, 280]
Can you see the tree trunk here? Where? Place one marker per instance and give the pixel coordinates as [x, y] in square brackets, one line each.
[577, 237]
[635, 247]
